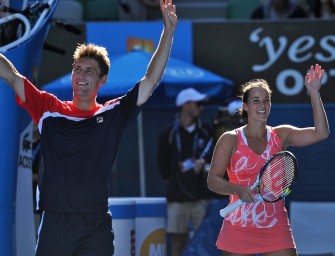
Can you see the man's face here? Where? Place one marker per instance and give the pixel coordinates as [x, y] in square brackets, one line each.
[86, 79]
[194, 108]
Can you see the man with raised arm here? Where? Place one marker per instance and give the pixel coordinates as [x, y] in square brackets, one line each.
[79, 141]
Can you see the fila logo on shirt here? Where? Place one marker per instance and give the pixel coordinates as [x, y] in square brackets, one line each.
[100, 119]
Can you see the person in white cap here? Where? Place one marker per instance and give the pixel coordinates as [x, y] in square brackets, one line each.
[184, 154]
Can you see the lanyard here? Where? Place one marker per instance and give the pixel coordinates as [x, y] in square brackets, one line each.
[178, 140]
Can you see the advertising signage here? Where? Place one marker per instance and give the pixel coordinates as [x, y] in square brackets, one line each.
[280, 52]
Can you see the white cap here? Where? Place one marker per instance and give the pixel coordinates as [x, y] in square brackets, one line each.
[189, 94]
[234, 106]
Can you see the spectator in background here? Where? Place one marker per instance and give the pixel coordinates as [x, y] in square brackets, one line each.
[139, 10]
[227, 118]
[279, 9]
[322, 9]
[152, 9]
[132, 10]
[184, 154]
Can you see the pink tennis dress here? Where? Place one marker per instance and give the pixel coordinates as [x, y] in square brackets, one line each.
[258, 227]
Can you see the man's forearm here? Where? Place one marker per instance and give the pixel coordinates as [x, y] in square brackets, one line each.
[160, 57]
[11, 76]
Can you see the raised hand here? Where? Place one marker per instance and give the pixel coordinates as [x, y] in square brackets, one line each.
[313, 78]
[169, 14]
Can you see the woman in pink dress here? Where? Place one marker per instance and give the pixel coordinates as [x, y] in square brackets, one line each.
[257, 227]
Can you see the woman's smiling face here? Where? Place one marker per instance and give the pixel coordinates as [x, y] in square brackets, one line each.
[258, 105]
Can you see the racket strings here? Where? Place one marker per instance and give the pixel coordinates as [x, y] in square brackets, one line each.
[277, 178]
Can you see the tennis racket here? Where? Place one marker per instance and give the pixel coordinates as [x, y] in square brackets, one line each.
[274, 181]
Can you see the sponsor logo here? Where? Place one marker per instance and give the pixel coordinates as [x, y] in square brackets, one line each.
[154, 244]
[100, 119]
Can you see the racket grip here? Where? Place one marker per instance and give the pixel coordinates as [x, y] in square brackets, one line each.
[229, 208]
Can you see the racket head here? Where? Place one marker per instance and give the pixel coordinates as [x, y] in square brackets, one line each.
[277, 176]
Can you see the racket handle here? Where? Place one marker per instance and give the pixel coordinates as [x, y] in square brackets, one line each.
[229, 208]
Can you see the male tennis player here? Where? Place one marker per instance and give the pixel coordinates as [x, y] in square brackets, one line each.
[79, 140]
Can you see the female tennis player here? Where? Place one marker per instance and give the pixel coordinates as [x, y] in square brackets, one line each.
[258, 227]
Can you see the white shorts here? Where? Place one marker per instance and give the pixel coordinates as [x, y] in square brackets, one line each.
[182, 215]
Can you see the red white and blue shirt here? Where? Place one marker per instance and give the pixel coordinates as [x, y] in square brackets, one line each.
[78, 148]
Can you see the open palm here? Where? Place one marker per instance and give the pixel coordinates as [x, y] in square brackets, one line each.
[169, 13]
[313, 78]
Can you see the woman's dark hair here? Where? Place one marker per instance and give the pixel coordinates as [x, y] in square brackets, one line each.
[245, 90]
